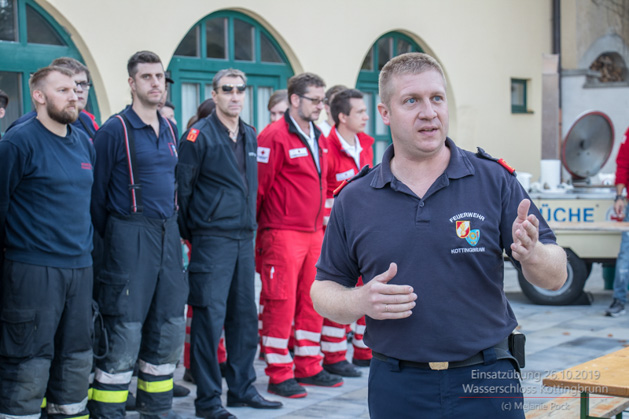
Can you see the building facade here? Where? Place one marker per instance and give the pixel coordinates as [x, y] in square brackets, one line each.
[491, 51]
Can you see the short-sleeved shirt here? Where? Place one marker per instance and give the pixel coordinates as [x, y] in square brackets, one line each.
[448, 245]
[156, 158]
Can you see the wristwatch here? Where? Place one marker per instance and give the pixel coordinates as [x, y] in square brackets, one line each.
[618, 197]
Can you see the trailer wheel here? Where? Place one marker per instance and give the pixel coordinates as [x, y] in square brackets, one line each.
[578, 272]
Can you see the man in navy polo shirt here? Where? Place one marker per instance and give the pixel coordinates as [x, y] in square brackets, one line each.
[141, 288]
[426, 229]
[46, 177]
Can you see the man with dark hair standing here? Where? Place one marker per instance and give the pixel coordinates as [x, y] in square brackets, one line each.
[81, 75]
[292, 169]
[427, 229]
[349, 150]
[327, 125]
[217, 178]
[141, 289]
[46, 177]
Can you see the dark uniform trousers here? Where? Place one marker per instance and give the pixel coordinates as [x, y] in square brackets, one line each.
[221, 274]
[45, 340]
[488, 390]
[141, 291]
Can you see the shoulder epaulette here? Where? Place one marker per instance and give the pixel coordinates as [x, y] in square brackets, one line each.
[484, 155]
[346, 182]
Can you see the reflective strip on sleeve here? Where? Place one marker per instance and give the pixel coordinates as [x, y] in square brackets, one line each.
[157, 370]
[119, 378]
[67, 409]
[359, 343]
[334, 346]
[278, 358]
[5, 416]
[335, 332]
[89, 393]
[43, 403]
[106, 396]
[155, 386]
[306, 335]
[277, 343]
[307, 351]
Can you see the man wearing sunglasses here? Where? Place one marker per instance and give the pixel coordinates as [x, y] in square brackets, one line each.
[218, 180]
[292, 168]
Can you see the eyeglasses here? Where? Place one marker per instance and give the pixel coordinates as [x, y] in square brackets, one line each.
[228, 88]
[84, 85]
[314, 101]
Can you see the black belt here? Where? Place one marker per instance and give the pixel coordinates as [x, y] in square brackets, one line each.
[502, 352]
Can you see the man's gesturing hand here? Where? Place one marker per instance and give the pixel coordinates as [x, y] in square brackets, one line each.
[386, 301]
[525, 232]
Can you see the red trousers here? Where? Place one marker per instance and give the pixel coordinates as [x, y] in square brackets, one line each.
[334, 340]
[287, 272]
[222, 354]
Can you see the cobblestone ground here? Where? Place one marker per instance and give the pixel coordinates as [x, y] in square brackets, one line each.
[557, 338]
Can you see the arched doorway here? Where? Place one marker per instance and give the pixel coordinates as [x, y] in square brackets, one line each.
[221, 40]
[32, 38]
[386, 47]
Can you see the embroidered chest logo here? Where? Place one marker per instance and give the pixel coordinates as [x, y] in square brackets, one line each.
[297, 152]
[86, 166]
[464, 230]
[345, 175]
[173, 149]
[263, 154]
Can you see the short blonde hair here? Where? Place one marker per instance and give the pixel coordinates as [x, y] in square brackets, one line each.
[36, 82]
[409, 63]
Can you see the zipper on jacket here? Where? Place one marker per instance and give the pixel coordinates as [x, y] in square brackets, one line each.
[318, 168]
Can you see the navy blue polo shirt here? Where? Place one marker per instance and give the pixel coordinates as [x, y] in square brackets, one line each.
[156, 161]
[448, 245]
[45, 186]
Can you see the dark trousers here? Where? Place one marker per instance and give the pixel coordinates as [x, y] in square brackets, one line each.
[221, 274]
[397, 391]
[45, 340]
[141, 291]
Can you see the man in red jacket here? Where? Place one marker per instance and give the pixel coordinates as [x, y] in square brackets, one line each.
[349, 149]
[292, 169]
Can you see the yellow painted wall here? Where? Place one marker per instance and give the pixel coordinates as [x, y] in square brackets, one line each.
[481, 44]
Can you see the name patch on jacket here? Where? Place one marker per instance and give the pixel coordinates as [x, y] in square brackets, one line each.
[298, 152]
[263, 154]
[345, 175]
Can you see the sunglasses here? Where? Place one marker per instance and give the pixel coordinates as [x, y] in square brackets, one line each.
[228, 88]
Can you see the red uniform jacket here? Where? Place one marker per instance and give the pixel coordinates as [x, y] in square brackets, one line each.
[622, 162]
[291, 191]
[342, 166]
